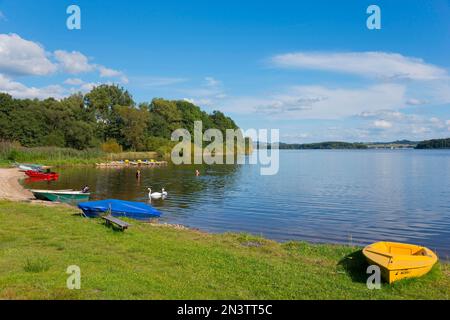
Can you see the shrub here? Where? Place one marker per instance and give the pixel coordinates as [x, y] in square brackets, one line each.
[111, 146]
[13, 155]
[154, 143]
[164, 152]
[54, 139]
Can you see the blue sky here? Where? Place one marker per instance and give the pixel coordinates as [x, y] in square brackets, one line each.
[311, 69]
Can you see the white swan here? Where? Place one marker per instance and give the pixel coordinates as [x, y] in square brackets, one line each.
[156, 195]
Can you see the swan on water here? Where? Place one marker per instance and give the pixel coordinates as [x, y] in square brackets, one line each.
[157, 195]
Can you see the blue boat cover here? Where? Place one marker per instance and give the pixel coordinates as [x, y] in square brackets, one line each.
[137, 210]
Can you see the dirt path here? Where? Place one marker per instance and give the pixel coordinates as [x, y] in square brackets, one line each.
[10, 188]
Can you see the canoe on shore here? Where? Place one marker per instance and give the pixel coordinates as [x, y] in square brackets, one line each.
[61, 195]
[400, 260]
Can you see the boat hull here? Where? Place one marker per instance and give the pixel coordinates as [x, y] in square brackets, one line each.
[60, 197]
[41, 175]
[399, 261]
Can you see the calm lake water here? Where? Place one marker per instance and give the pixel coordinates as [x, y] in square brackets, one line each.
[322, 196]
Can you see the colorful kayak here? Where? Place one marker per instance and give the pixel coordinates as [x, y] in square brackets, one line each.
[30, 167]
[119, 208]
[400, 260]
[42, 175]
[61, 195]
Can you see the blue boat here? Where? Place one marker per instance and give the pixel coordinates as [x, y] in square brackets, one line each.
[119, 208]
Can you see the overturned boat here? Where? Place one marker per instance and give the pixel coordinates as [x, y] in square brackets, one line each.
[119, 208]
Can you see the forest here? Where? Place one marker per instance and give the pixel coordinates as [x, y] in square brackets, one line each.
[434, 144]
[105, 118]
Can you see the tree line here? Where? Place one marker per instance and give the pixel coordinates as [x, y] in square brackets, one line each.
[322, 145]
[434, 144]
[105, 117]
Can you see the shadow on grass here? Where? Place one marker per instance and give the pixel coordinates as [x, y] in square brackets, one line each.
[355, 265]
[78, 214]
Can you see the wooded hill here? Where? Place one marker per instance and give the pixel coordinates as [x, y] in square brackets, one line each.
[106, 115]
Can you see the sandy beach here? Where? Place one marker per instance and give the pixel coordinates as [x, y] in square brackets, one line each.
[10, 188]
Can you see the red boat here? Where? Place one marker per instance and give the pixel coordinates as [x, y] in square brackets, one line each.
[42, 175]
[31, 180]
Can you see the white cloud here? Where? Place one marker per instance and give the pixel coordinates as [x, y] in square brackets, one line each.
[189, 100]
[22, 57]
[318, 102]
[111, 73]
[386, 114]
[210, 93]
[410, 126]
[19, 90]
[436, 122]
[80, 85]
[367, 64]
[296, 136]
[74, 82]
[382, 124]
[211, 82]
[73, 62]
[415, 102]
[420, 130]
[108, 73]
[89, 86]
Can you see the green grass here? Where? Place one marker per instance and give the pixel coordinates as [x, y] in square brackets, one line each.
[38, 243]
[54, 156]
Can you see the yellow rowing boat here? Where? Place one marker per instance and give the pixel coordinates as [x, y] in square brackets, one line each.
[400, 260]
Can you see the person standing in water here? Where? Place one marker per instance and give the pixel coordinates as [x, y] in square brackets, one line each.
[138, 174]
[197, 173]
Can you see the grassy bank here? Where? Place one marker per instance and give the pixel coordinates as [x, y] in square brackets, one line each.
[65, 156]
[38, 243]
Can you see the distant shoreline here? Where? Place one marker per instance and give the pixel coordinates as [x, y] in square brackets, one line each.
[340, 145]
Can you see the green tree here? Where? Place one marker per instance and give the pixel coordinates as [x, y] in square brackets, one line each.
[133, 127]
